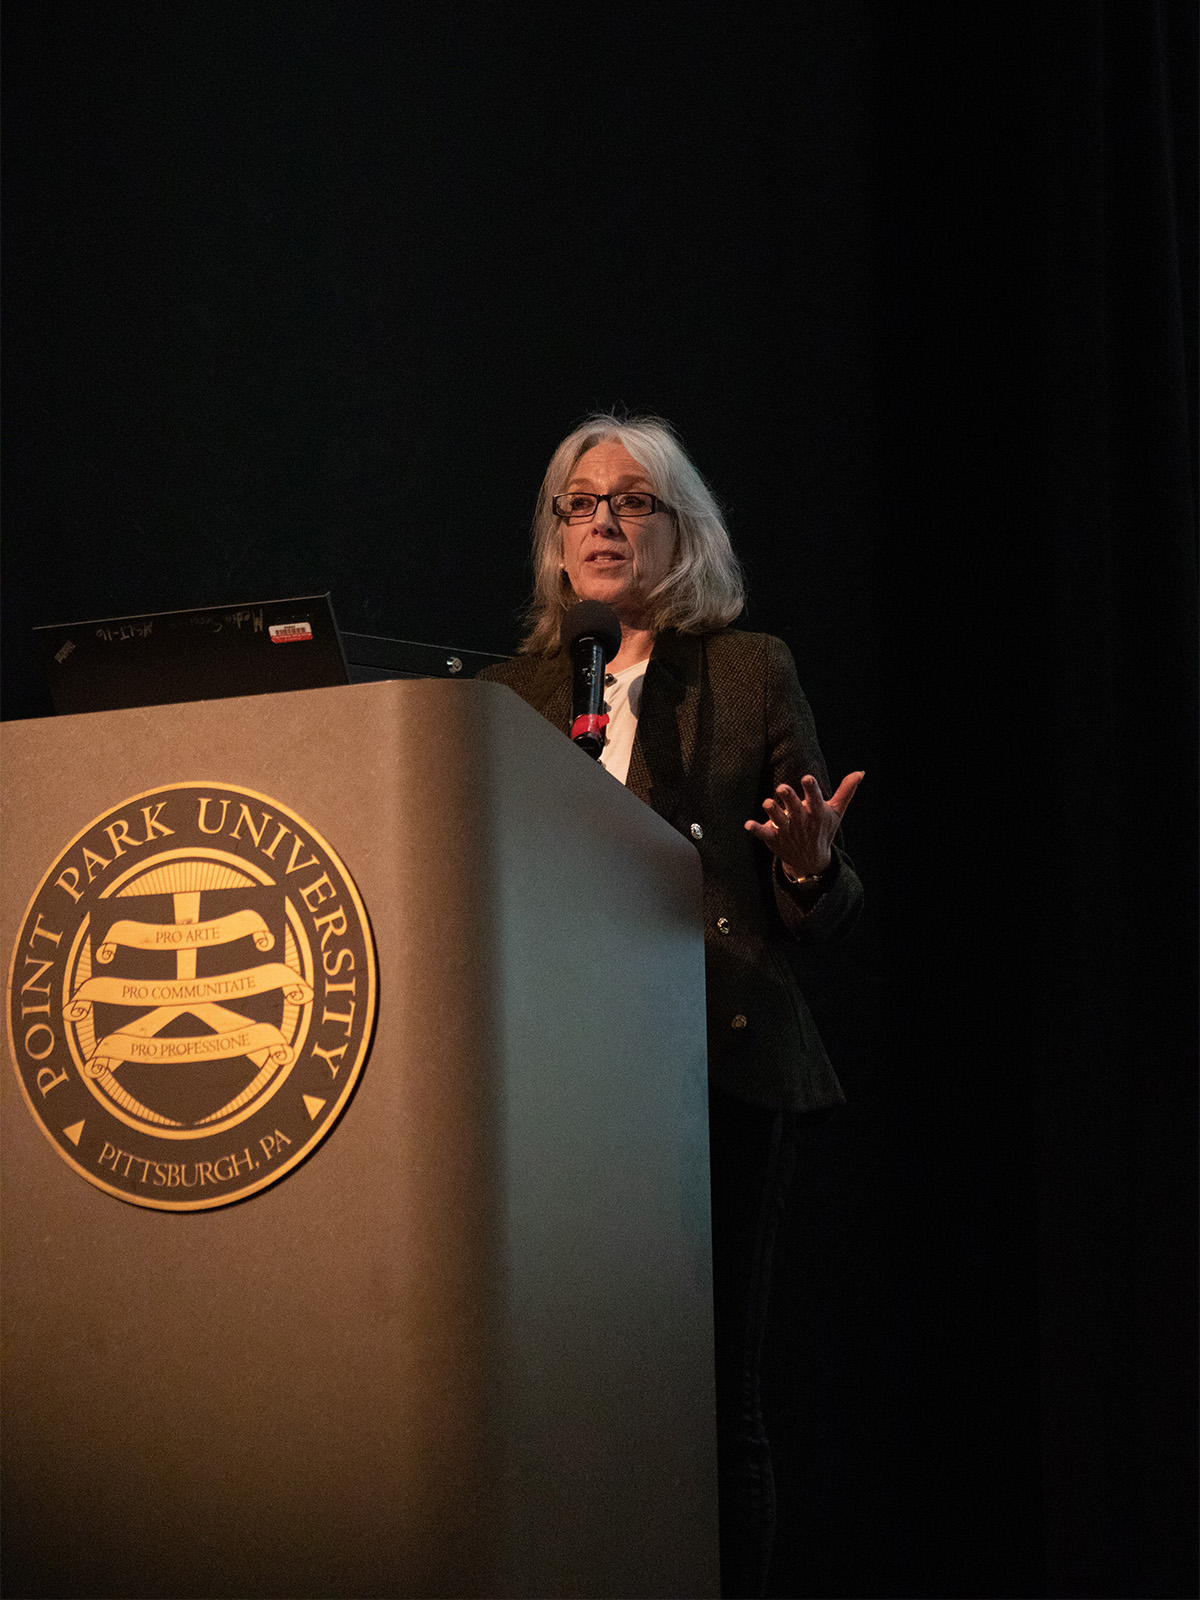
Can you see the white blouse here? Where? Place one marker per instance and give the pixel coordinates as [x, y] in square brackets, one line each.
[623, 697]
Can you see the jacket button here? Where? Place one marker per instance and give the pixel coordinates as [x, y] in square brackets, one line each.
[722, 924]
[696, 831]
[738, 1022]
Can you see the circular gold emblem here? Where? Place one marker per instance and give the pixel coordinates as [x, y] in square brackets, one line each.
[191, 996]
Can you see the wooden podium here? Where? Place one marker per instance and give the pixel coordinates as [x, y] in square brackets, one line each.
[465, 1347]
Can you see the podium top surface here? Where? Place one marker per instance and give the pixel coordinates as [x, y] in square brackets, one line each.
[322, 745]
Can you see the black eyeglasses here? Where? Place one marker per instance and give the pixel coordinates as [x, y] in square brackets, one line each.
[579, 507]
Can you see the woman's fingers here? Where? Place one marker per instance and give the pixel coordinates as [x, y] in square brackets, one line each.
[815, 801]
[845, 792]
[792, 816]
[788, 810]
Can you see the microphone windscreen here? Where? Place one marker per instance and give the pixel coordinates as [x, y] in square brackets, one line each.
[592, 619]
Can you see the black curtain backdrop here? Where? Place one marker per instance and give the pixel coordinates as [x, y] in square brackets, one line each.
[301, 296]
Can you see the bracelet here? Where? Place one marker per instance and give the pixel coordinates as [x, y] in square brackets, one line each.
[808, 877]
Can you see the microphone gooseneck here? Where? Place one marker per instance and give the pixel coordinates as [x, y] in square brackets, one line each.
[591, 634]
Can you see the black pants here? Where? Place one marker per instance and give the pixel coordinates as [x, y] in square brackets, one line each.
[753, 1155]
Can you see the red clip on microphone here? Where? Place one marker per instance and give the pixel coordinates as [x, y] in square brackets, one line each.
[589, 724]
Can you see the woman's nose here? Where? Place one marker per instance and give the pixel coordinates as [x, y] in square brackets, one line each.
[603, 518]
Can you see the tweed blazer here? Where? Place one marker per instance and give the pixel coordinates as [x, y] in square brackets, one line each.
[722, 721]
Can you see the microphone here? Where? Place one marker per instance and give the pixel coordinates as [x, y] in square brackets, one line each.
[591, 634]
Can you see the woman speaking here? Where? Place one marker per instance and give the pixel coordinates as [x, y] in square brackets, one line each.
[709, 726]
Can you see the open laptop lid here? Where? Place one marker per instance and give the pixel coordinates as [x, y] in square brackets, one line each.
[169, 656]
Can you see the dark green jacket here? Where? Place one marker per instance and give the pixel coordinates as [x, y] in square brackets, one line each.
[723, 720]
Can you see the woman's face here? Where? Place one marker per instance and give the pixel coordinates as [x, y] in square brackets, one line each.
[617, 562]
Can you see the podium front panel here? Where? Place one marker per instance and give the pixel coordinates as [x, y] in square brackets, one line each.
[465, 1347]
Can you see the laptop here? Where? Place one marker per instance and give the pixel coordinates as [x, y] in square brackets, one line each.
[262, 647]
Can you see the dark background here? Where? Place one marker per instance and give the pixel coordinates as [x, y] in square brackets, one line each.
[303, 296]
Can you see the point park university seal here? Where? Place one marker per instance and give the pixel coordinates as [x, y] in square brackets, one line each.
[191, 996]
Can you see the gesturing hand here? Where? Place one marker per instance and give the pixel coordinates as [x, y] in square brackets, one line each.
[800, 828]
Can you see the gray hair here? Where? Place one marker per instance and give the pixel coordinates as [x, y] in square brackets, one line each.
[704, 589]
